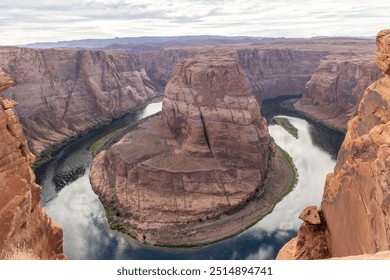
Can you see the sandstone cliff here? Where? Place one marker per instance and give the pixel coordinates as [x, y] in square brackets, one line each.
[355, 211]
[25, 227]
[71, 91]
[205, 156]
[277, 72]
[270, 72]
[160, 65]
[334, 91]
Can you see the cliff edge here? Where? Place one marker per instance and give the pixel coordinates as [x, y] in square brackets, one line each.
[26, 231]
[355, 210]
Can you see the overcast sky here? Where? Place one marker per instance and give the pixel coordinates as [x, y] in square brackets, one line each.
[28, 21]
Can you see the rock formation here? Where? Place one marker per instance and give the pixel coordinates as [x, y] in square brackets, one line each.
[71, 91]
[25, 227]
[336, 88]
[355, 209]
[206, 155]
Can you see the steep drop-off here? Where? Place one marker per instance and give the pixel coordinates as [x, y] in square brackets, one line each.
[26, 231]
[277, 72]
[62, 93]
[355, 210]
[207, 155]
[334, 91]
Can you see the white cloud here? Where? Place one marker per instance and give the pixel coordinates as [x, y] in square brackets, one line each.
[30, 21]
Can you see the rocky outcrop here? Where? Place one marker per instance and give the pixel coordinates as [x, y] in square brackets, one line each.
[71, 91]
[356, 200]
[206, 155]
[334, 91]
[25, 227]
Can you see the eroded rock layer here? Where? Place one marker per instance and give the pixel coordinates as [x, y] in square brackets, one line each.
[334, 91]
[206, 155]
[356, 200]
[71, 91]
[270, 72]
[26, 230]
[277, 72]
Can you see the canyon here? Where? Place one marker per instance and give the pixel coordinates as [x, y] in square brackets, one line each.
[64, 93]
[72, 91]
[180, 177]
[359, 186]
[26, 231]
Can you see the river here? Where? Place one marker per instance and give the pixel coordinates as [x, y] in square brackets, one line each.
[68, 198]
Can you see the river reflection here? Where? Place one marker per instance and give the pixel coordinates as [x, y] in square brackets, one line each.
[87, 235]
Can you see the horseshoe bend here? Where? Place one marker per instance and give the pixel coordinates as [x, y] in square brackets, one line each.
[203, 170]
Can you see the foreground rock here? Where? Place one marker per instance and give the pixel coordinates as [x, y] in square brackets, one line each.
[63, 93]
[356, 201]
[334, 91]
[205, 157]
[26, 231]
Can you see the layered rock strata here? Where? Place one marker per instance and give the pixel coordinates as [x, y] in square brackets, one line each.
[207, 155]
[355, 209]
[25, 229]
[334, 91]
[270, 72]
[71, 91]
[278, 72]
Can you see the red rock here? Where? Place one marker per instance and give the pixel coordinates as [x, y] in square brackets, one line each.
[310, 215]
[24, 224]
[356, 201]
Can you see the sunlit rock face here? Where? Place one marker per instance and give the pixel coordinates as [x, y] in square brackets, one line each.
[356, 200]
[206, 155]
[25, 229]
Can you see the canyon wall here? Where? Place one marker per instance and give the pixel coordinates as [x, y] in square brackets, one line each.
[270, 72]
[277, 72]
[62, 93]
[334, 91]
[71, 91]
[206, 155]
[160, 65]
[26, 231]
[355, 210]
